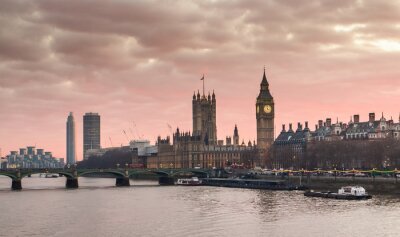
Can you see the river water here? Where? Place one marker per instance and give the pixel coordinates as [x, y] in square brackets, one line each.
[97, 208]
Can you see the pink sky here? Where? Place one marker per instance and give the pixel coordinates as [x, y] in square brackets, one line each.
[140, 61]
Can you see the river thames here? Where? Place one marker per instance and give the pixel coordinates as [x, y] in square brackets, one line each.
[97, 208]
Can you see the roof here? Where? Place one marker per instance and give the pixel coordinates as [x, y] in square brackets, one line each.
[264, 91]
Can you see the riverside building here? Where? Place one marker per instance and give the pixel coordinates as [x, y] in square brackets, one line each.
[31, 157]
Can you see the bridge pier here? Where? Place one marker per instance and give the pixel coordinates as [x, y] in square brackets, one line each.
[122, 182]
[72, 183]
[165, 180]
[16, 184]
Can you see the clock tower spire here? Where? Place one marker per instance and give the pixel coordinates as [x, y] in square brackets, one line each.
[265, 115]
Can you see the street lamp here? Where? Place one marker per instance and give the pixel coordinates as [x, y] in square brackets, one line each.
[118, 166]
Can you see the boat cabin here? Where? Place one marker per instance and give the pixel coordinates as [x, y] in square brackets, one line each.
[352, 190]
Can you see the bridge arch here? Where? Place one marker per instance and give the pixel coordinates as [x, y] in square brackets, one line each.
[66, 174]
[9, 175]
[116, 173]
[159, 173]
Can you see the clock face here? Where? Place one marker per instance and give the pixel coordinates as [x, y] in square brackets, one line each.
[267, 109]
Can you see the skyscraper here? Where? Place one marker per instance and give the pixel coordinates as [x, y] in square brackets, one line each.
[71, 154]
[91, 132]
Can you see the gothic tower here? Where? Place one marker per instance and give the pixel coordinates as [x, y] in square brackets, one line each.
[265, 114]
[236, 136]
[204, 110]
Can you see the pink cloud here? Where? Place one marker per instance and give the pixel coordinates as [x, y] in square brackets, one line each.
[140, 61]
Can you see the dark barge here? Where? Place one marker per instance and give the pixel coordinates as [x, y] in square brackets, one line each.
[251, 184]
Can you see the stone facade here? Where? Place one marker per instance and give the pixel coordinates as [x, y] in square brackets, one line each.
[190, 151]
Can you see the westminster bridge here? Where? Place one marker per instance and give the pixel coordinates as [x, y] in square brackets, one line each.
[165, 176]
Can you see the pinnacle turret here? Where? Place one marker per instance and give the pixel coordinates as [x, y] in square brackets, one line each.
[264, 80]
[264, 88]
[235, 132]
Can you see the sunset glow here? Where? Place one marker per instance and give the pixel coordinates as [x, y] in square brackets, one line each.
[137, 64]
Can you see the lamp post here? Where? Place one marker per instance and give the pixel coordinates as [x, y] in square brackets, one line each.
[118, 166]
[294, 163]
[75, 171]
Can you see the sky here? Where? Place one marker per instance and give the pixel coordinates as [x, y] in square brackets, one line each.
[137, 64]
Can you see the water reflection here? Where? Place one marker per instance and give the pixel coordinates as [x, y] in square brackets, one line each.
[100, 209]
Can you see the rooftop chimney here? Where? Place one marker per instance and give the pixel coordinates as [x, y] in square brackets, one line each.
[328, 122]
[320, 123]
[299, 127]
[356, 118]
[371, 117]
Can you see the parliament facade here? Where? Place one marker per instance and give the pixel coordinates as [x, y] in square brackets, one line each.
[201, 147]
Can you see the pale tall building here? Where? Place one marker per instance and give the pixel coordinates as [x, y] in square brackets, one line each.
[71, 151]
[91, 132]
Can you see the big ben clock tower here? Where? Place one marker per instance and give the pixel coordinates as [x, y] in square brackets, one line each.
[265, 114]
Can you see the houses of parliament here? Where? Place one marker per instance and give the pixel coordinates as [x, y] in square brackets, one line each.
[201, 147]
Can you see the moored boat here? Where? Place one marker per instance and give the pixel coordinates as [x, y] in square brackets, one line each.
[48, 175]
[194, 181]
[346, 193]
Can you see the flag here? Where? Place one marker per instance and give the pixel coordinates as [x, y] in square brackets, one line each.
[202, 78]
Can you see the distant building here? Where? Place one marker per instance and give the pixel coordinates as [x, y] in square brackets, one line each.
[29, 158]
[91, 132]
[71, 152]
[290, 148]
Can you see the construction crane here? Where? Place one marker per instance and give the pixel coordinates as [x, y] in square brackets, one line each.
[111, 142]
[170, 129]
[126, 136]
[137, 131]
[133, 135]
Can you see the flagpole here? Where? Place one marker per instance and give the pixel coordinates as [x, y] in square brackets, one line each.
[203, 87]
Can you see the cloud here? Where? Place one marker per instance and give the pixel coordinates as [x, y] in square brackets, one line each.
[141, 61]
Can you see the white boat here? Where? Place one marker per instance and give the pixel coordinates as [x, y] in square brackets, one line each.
[194, 181]
[48, 175]
[352, 190]
[347, 192]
